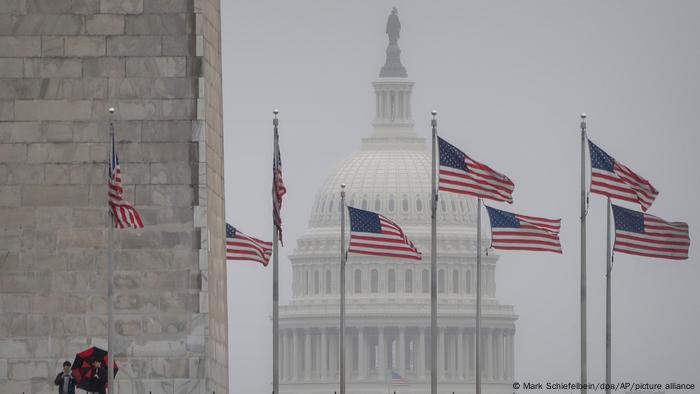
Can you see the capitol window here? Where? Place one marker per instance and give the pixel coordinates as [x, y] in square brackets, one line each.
[408, 285]
[404, 204]
[328, 282]
[391, 203]
[374, 286]
[323, 206]
[469, 282]
[392, 281]
[455, 281]
[316, 283]
[419, 204]
[330, 205]
[358, 281]
[425, 279]
[306, 282]
[441, 281]
[377, 204]
[443, 206]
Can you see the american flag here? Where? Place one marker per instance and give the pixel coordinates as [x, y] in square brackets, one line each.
[244, 247]
[374, 234]
[278, 191]
[461, 174]
[610, 178]
[511, 231]
[647, 235]
[398, 380]
[124, 214]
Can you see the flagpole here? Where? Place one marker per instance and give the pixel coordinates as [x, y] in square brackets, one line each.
[478, 295]
[433, 265]
[275, 268]
[110, 270]
[584, 372]
[342, 289]
[608, 263]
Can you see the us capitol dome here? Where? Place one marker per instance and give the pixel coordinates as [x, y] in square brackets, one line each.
[388, 299]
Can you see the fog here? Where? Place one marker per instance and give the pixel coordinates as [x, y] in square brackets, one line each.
[509, 80]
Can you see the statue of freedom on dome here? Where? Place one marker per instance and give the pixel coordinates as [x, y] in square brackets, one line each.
[393, 26]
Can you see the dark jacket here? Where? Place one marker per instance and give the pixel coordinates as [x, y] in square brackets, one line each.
[59, 383]
[98, 380]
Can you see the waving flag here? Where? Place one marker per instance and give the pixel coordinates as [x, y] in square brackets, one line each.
[647, 235]
[610, 178]
[243, 247]
[398, 380]
[461, 174]
[511, 231]
[124, 214]
[278, 191]
[374, 234]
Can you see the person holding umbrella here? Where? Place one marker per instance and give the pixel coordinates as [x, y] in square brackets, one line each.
[65, 380]
[98, 379]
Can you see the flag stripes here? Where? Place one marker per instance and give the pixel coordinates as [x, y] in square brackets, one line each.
[123, 213]
[278, 191]
[646, 235]
[463, 175]
[240, 246]
[612, 179]
[511, 231]
[374, 234]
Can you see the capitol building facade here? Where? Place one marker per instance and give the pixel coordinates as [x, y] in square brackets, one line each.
[388, 300]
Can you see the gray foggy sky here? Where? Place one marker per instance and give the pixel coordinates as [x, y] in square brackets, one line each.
[509, 80]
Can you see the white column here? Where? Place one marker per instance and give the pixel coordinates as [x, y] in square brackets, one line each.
[324, 354]
[472, 352]
[460, 354]
[317, 355]
[401, 353]
[487, 355]
[381, 358]
[511, 356]
[499, 355]
[307, 354]
[288, 360]
[441, 352]
[333, 355]
[421, 353]
[361, 353]
[281, 355]
[295, 355]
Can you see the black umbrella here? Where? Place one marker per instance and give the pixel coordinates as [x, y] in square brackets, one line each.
[82, 366]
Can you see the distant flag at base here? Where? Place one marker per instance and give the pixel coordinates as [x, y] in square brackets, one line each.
[463, 175]
[510, 231]
[398, 380]
[374, 234]
[612, 179]
[123, 213]
[240, 246]
[642, 234]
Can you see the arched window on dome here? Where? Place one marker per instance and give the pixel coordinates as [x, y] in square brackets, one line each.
[441, 281]
[419, 204]
[443, 206]
[455, 281]
[323, 206]
[364, 202]
[329, 282]
[391, 203]
[330, 204]
[469, 282]
[461, 205]
[306, 282]
[425, 281]
[391, 280]
[377, 204]
[374, 281]
[404, 203]
[358, 281]
[454, 207]
[317, 288]
[408, 281]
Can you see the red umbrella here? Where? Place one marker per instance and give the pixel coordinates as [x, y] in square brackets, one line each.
[82, 365]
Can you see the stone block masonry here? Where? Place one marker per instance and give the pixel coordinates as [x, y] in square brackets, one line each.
[62, 64]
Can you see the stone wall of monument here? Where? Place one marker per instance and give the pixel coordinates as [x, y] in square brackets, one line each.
[62, 64]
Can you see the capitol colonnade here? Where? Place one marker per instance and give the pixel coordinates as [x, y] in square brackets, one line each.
[311, 353]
